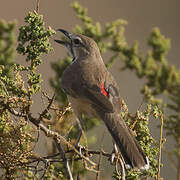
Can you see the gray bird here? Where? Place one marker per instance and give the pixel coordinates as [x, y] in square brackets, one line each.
[92, 91]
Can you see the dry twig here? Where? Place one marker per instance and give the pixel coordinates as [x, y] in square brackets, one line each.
[66, 162]
[160, 147]
[37, 5]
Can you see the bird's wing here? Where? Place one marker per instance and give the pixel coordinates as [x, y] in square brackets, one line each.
[106, 98]
[104, 95]
[98, 99]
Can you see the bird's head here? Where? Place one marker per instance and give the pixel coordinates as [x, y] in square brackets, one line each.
[79, 46]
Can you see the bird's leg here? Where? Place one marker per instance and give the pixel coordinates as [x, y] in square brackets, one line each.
[114, 153]
[79, 137]
[82, 129]
[117, 154]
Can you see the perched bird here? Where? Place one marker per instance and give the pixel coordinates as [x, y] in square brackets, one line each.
[92, 91]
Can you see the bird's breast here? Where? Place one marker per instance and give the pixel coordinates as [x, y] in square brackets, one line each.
[78, 74]
[82, 106]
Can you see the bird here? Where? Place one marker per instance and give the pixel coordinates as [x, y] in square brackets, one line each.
[92, 91]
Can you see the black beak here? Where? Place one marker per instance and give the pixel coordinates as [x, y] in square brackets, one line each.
[67, 44]
[67, 34]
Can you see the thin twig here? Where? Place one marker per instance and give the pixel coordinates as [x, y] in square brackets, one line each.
[116, 152]
[123, 176]
[66, 163]
[100, 158]
[142, 102]
[91, 152]
[89, 168]
[50, 133]
[54, 158]
[82, 129]
[48, 107]
[117, 171]
[160, 147]
[98, 167]
[16, 113]
[119, 158]
[37, 5]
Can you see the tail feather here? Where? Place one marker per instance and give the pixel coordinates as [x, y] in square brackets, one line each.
[130, 149]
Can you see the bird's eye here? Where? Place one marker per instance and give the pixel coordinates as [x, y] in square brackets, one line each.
[76, 41]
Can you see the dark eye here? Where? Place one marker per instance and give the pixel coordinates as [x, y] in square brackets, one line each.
[77, 41]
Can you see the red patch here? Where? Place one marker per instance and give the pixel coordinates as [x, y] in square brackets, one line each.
[103, 90]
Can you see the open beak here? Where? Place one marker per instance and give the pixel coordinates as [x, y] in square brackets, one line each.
[67, 44]
[68, 35]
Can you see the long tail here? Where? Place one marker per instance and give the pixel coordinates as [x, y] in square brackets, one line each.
[130, 149]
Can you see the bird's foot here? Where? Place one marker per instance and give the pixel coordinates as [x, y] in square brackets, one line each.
[114, 154]
[79, 147]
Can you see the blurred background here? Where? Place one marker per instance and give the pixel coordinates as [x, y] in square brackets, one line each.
[141, 15]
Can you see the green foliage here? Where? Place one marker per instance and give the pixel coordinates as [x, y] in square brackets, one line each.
[33, 42]
[161, 78]
[7, 49]
[16, 135]
[16, 145]
[160, 45]
[34, 39]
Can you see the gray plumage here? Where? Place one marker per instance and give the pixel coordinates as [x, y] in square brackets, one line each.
[92, 91]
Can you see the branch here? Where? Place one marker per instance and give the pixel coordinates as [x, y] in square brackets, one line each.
[48, 107]
[160, 147]
[37, 5]
[48, 132]
[66, 163]
[90, 152]
[56, 136]
[54, 158]
[16, 113]
[99, 165]
[123, 176]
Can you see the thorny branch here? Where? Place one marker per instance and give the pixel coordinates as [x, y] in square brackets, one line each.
[49, 133]
[83, 155]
